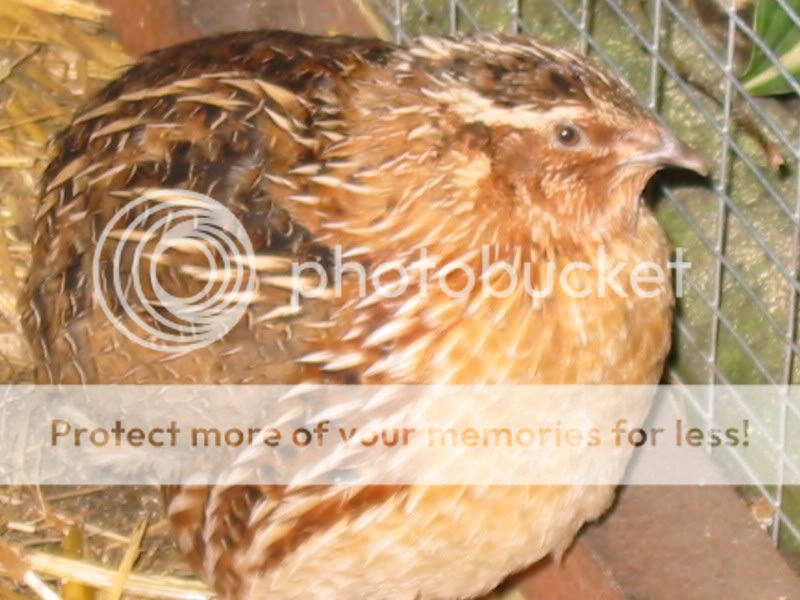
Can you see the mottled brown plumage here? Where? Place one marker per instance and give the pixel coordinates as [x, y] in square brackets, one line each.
[315, 143]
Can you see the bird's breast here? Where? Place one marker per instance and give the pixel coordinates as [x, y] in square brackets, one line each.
[598, 316]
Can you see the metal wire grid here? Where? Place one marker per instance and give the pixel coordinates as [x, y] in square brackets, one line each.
[724, 275]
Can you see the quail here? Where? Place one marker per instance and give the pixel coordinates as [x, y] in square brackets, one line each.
[378, 150]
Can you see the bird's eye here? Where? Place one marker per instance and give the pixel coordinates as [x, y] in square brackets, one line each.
[568, 135]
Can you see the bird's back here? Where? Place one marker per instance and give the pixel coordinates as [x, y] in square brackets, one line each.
[216, 117]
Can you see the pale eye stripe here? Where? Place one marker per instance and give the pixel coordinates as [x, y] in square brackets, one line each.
[475, 108]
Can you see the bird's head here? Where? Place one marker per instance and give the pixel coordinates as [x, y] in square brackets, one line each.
[569, 145]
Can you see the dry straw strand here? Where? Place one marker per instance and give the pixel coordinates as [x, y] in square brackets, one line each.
[126, 565]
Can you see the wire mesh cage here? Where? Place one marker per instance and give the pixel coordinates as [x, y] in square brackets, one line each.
[737, 319]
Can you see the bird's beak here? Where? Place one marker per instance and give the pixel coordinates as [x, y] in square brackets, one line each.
[655, 146]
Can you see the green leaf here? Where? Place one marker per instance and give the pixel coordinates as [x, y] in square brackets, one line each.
[780, 34]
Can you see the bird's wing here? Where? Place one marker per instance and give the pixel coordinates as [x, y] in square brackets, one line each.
[229, 118]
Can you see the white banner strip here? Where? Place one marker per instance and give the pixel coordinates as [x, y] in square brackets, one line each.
[408, 435]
